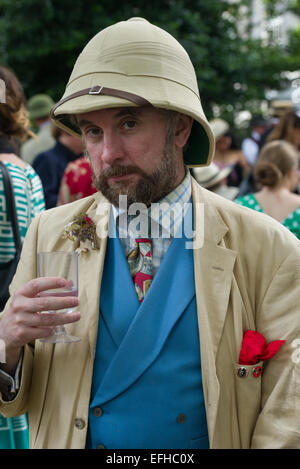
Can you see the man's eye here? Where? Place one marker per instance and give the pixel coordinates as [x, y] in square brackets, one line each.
[92, 132]
[128, 125]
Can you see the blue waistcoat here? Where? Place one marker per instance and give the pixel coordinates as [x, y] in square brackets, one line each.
[147, 383]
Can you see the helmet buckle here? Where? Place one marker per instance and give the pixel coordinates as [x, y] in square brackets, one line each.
[96, 89]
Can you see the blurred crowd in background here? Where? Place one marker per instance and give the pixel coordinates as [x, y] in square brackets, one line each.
[261, 172]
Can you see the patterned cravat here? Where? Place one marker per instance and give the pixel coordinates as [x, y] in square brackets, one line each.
[140, 266]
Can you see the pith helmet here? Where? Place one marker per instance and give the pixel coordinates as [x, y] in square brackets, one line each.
[134, 63]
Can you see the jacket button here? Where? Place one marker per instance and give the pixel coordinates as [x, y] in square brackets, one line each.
[100, 447]
[79, 423]
[97, 411]
[181, 418]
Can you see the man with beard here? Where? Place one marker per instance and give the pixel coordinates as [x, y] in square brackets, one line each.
[180, 347]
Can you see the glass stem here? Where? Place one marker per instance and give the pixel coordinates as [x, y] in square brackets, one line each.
[60, 330]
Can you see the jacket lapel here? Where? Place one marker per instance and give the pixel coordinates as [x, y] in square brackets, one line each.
[91, 269]
[213, 264]
[152, 324]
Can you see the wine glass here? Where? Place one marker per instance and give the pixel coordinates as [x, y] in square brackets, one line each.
[59, 264]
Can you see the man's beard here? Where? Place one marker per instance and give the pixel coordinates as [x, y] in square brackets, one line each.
[148, 189]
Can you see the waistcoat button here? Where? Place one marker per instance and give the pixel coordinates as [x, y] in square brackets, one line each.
[100, 447]
[97, 411]
[181, 418]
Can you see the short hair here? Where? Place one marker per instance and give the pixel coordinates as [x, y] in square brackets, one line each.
[274, 162]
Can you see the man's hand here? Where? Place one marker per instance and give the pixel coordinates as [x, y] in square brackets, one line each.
[24, 320]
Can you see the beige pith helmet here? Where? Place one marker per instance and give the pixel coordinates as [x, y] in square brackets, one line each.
[134, 63]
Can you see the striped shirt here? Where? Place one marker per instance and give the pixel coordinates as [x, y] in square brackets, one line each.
[162, 222]
[29, 198]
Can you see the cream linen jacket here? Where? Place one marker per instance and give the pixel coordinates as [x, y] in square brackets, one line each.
[247, 276]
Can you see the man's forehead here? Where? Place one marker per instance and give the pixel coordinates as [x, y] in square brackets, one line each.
[114, 113]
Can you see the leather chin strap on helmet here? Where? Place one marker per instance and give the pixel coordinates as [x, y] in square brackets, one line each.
[102, 90]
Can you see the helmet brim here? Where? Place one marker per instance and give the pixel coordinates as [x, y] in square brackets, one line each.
[201, 145]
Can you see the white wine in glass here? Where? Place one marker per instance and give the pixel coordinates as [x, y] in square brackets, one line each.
[59, 264]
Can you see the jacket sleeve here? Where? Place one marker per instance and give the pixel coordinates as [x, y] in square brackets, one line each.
[26, 271]
[278, 425]
[18, 405]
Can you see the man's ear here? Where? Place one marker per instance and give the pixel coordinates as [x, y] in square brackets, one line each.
[183, 129]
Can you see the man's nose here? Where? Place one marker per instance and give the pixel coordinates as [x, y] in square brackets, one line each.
[112, 150]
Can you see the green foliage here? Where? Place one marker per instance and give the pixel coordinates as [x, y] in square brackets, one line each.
[41, 41]
[275, 7]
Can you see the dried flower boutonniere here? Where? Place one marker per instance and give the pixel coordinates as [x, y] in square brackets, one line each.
[81, 229]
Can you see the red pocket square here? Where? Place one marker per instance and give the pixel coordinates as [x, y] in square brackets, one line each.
[255, 348]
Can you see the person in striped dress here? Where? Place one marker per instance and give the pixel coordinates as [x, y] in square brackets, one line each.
[29, 198]
[29, 202]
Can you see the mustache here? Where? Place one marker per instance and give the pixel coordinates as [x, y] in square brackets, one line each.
[121, 171]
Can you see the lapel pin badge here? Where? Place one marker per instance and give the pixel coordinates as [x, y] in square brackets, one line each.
[257, 371]
[242, 372]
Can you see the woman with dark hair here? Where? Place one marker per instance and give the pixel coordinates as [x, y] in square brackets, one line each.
[14, 128]
[277, 173]
[29, 201]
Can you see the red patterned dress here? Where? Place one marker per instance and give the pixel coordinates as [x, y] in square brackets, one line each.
[76, 182]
